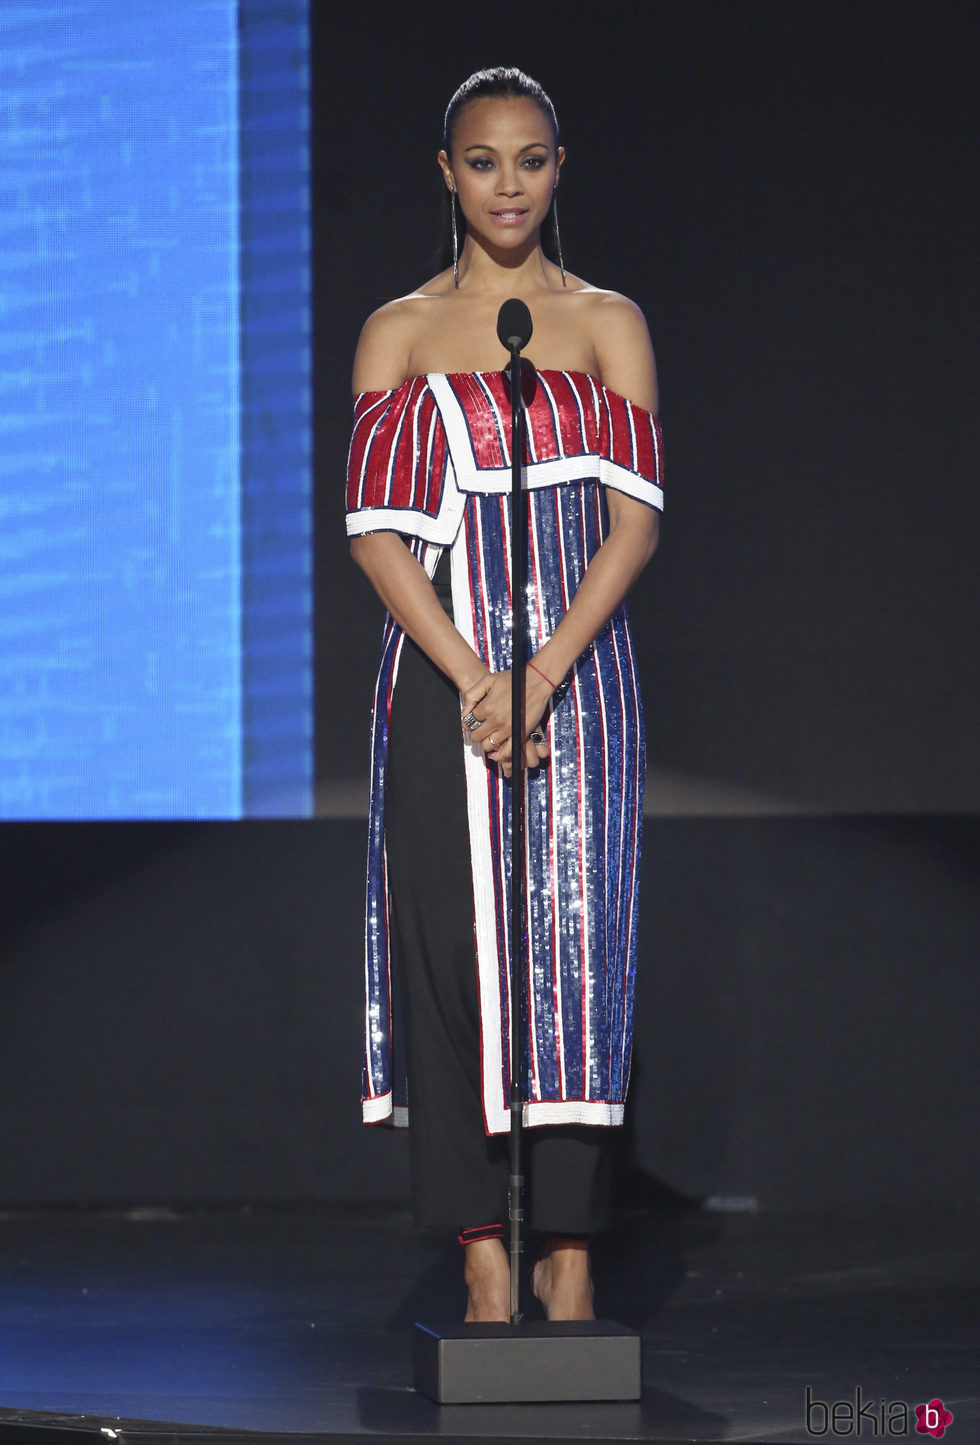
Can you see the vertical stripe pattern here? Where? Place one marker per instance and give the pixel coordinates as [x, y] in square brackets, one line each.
[584, 809]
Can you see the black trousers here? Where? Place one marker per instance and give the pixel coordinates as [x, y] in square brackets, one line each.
[459, 1173]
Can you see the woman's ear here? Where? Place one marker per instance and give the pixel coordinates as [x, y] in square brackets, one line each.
[446, 169]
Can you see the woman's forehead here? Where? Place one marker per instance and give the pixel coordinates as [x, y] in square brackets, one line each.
[492, 117]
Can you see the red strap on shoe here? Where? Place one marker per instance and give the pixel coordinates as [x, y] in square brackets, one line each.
[481, 1231]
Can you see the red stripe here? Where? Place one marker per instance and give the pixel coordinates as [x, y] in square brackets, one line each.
[658, 440]
[436, 470]
[367, 414]
[646, 461]
[486, 440]
[575, 430]
[620, 436]
[400, 469]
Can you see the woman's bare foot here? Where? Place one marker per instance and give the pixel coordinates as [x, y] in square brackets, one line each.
[562, 1279]
[487, 1275]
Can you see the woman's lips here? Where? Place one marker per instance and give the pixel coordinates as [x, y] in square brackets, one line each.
[511, 217]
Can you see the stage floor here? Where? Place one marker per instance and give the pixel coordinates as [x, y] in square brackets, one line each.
[298, 1320]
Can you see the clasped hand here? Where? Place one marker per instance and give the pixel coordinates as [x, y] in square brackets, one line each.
[490, 701]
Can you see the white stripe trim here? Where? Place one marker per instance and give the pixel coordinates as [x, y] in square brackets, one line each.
[556, 472]
[555, 418]
[571, 1111]
[483, 865]
[535, 1114]
[373, 1111]
[621, 479]
[441, 529]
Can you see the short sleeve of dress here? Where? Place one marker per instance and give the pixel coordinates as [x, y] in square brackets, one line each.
[399, 472]
[630, 449]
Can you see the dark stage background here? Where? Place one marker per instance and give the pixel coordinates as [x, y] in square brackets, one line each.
[786, 189]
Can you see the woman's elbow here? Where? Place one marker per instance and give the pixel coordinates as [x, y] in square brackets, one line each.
[360, 551]
[651, 538]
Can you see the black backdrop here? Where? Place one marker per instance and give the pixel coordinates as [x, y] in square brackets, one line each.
[786, 189]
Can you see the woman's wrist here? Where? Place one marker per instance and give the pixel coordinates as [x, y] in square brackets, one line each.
[541, 673]
[550, 666]
[478, 672]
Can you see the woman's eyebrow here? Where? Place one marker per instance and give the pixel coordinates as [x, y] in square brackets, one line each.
[482, 146]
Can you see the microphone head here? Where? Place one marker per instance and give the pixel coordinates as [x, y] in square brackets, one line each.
[514, 325]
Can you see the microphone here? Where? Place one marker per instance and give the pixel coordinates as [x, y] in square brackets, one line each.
[514, 325]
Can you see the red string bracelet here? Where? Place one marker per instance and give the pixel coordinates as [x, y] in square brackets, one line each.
[542, 674]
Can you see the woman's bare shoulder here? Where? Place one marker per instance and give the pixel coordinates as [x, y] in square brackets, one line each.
[387, 337]
[621, 340]
[612, 307]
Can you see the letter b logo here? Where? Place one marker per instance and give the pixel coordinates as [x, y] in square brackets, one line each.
[811, 1407]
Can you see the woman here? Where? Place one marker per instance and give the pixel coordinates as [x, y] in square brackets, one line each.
[428, 514]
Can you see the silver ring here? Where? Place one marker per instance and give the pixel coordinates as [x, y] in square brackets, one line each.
[537, 737]
[490, 738]
[471, 721]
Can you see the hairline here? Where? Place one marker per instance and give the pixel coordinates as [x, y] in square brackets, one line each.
[545, 110]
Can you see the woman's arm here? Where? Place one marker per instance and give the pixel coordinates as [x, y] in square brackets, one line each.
[627, 365]
[395, 573]
[401, 582]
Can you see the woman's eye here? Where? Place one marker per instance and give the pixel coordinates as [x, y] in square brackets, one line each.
[534, 163]
[481, 163]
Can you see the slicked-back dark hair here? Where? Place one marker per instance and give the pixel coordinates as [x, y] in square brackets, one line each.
[503, 82]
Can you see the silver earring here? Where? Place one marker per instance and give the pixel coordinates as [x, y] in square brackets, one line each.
[452, 207]
[554, 206]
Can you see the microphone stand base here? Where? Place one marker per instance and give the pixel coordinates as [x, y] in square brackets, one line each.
[466, 1364]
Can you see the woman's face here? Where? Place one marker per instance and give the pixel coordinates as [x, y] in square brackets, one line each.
[504, 166]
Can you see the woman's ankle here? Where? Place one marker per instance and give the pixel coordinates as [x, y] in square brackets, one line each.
[567, 1245]
[487, 1279]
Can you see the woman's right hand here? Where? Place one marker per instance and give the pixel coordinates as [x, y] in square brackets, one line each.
[489, 701]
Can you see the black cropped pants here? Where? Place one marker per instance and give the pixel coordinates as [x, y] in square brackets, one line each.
[459, 1173]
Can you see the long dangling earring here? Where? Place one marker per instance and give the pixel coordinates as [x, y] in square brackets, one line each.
[452, 207]
[554, 212]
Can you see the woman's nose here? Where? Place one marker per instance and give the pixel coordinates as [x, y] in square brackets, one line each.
[509, 183]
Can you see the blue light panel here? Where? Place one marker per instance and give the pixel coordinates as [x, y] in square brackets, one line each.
[155, 609]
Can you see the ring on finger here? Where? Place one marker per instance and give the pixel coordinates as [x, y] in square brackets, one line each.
[537, 738]
[491, 741]
[471, 721]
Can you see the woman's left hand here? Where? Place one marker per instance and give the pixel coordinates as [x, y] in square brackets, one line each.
[490, 701]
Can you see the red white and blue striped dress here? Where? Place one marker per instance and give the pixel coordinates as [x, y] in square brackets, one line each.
[431, 459]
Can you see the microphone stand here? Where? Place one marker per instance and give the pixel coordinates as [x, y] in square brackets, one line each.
[536, 1360]
[518, 540]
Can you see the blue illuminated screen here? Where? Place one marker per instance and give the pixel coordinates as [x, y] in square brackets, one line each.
[155, 467]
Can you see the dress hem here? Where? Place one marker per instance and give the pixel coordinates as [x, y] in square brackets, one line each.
[538, 1113]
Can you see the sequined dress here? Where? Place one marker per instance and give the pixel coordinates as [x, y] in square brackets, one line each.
[430, 459]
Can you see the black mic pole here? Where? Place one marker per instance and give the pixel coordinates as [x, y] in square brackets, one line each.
[522, 1360]
[514, 330]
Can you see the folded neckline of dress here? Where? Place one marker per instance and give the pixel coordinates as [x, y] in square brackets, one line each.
[500, 371]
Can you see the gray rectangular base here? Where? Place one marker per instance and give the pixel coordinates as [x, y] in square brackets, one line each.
[462, 1364]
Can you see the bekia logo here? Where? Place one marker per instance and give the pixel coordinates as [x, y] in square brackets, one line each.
[932, 1419]
[850, 1417]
